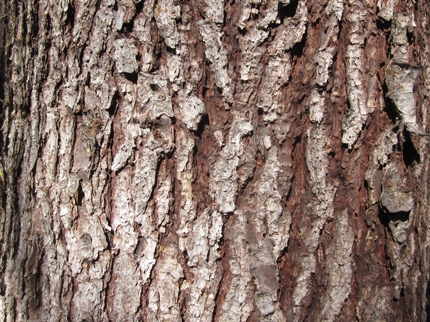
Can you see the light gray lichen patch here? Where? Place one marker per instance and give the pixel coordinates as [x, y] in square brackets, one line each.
[397, 201]
[199, 235]
[187, 211]
[144, 179]
[86, 298]
[400, 75]
[147, 133]
[269, 207]
[324, 59]
[294, 28]
[245, 12]
[125, 13]
[261, 232]
[85, 241]
[142, 31]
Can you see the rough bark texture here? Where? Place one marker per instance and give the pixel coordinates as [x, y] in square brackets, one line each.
[208, 160]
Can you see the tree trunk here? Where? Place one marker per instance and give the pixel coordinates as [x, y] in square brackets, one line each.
[211, 160]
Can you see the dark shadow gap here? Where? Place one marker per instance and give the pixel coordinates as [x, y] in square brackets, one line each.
[287, 11]
[428, 301]
[410, 154]
[390, 107]
[299, 47]
[139, 7]
[132, 77]
[70, 20]
[385, 217]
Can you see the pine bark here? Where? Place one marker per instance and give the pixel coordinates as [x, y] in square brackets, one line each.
[208, 160]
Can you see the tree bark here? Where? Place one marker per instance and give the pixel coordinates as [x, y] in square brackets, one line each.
[210, 160]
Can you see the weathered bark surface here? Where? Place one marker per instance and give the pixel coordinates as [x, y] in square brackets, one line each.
[211, 160]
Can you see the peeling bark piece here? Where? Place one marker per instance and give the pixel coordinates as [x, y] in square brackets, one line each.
[165, 14]
[143, 180]
[147, 260]
[87, 298]
[400, 80]
[238, 305]
[316, 104]
[192, 109]
[187, 211]
[217, 55]
[125, 290]
[154, 95]
[251, 52]
[264, 303]
[73, 184]
[295, 28]
[204, 267]
[215, 10]
[125, 56]
[386, 9]
[142, 31]
[304, 288]
[84, 14]
[379, 308]
[399, 229]
[339, 267]
[379, 157]
[357, 97]
[269, 208]
[122, 156]
[224, 181]
[397, 201]
[400, 45]
[316, 162]
[245, 12]
[125, 13]
[324, 59]
[164, 291]
[335, 7]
